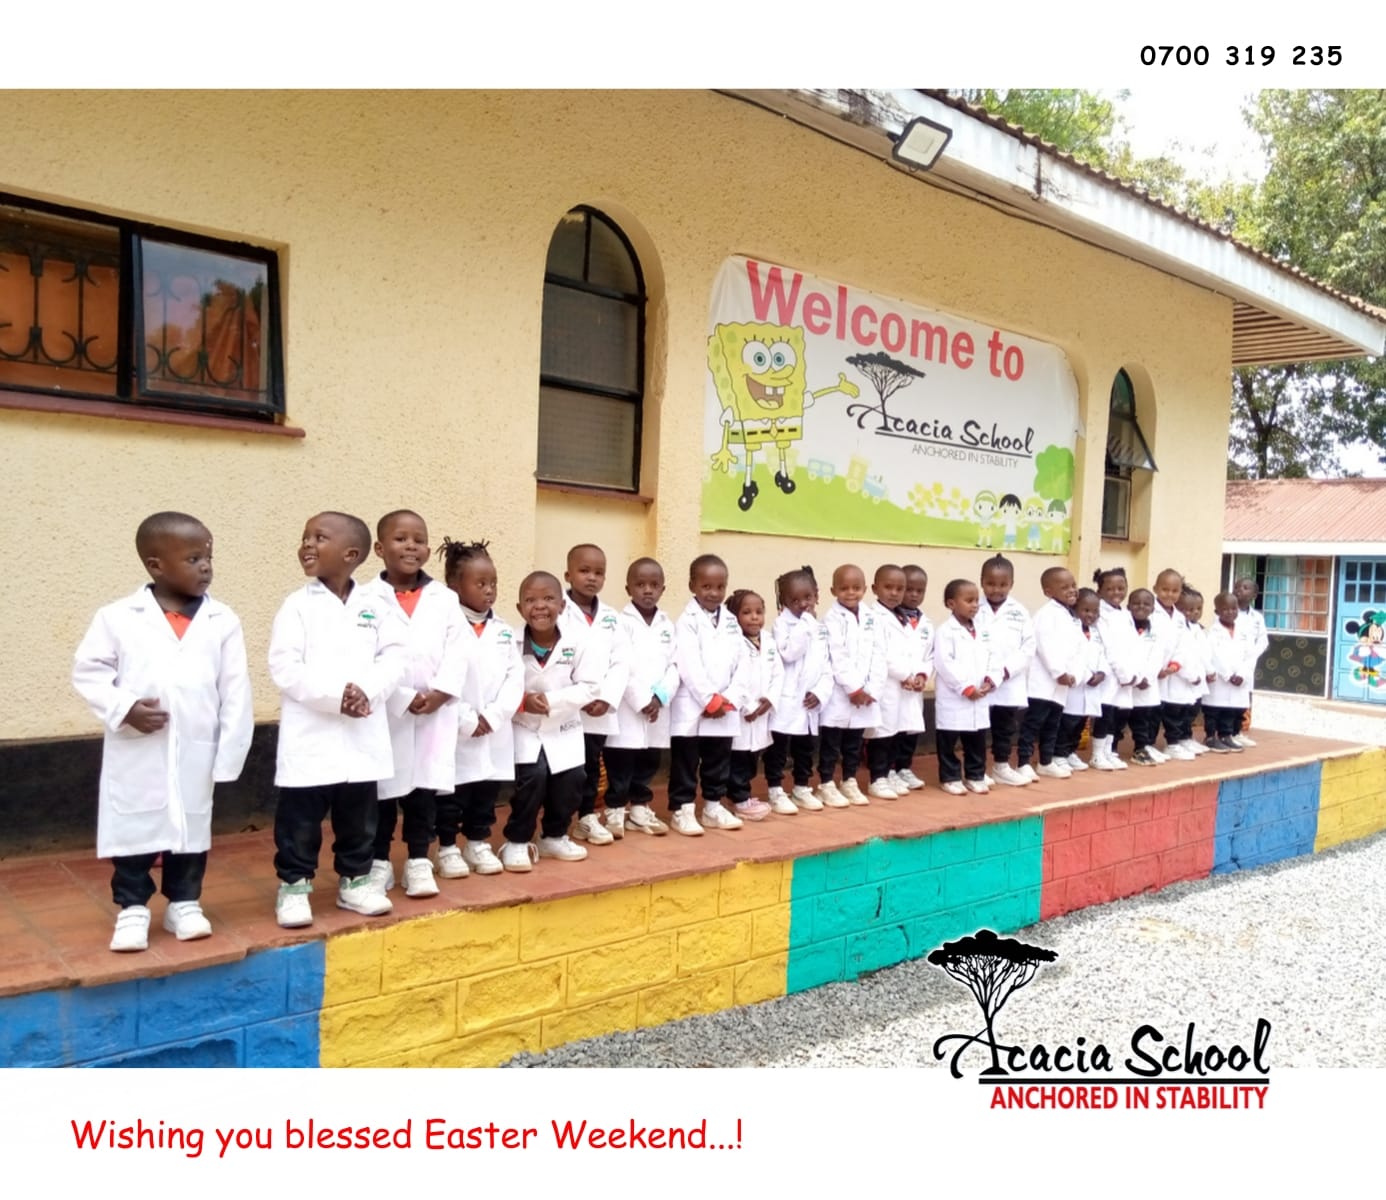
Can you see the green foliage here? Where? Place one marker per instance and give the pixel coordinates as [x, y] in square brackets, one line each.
[1054, 473]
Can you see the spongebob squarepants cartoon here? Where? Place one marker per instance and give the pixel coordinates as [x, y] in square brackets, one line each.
[761, 381]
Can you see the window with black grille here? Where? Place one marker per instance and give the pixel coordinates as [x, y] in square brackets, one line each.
[1127, 451]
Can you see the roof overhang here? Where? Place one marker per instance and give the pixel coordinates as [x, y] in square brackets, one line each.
[1278, 314]
[1303, 549]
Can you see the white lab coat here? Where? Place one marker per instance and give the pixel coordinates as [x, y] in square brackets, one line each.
[1082, 700]
[156, 788]
[649, 651]
[424, 748]
[707, 656]
[909, 651]
[759, 674]
[1122, 649]
[803, 645]
[494, 688]
[1150, 661]
[962, 660]
[857, 659]
[1060, 649]
[608, 652]
[1011, 633]
[1178, 645]
[1231, 652]
[570, 677]
[318, 645]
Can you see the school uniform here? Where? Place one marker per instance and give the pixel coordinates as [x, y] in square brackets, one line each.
[1231, 652]
[760, 673]
[708, 649]
[802, 643]
[493, 687]
[1060, 650]
[1148, 661]
[857, 659]
[1121, 648]
[1198, 639]
[549, 748]
[1083, 700]
[909, 648]
[1255, 624]
[155, 790]
[962, 662]
[602, 627]
[328, 762]
[632, 752]
[1179, 689]
[1011, 633]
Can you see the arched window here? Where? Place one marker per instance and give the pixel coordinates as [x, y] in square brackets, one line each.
[592, 357]
[1127, 451]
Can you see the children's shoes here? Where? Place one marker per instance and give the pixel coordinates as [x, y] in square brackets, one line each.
[685, 821]
[292, 908]
[453, 864]
[642, 817]
[479, 857]
[518, 856]
[186, 921]
[589, 829]
[131, 929]
[418, 879]
[780, 803]
[360, 894]
[382, 875]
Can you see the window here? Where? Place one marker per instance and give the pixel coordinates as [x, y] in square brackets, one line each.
[1364, 581]
[592, 356]
[1127, 451]
[104, 309]
[1294, 591]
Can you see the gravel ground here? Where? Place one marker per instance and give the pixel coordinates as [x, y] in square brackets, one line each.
[1287, 942]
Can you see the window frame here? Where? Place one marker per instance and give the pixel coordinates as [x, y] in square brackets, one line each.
[1259, 567]
[1121, 411]
[639, 300]
[129, 372]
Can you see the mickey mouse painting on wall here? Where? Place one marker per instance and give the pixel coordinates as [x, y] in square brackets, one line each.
[1368, 656]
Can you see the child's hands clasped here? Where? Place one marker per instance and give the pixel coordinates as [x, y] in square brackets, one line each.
[810, 701]
[651, 710]
[428, 702]
[483, 727]
[536, 703]
[354, 702]
[598, 708]
[145, 716]
[1065, 680]
[1097, 677]
[861, 698]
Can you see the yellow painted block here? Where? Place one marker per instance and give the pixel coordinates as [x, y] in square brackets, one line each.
[624, 967]
[761, 979]
[787, 881]
[509, 995]
[770, 933]
[561, 926]
[351, 967]
[450, 946]
[488, 1049]
[686, 997]
[350, 1034]
[592, 1020]
[716, 943]
[750, 885]
[682, 901]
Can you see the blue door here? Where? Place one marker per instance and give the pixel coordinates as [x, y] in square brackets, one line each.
[1359, 639]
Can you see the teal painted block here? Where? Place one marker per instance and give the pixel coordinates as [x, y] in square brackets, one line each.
[912, 895]
[71, 1025]
[183, 1006]
[889, 857]
[845, 868]
[801, 920]
[1024, 868]
[875, 949]
[810, 876]
[930, 932]
[847, 911]
[288, 1042]
[219, 1050]
[954, 846]
[969, 883]
[815, 965]
[1006, 914]
[999, 838]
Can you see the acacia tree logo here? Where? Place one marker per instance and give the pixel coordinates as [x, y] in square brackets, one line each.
[992, 968]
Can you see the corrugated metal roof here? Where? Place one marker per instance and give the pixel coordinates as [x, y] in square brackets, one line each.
[1306, 510]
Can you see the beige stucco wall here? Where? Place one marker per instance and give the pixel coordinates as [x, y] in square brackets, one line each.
[414, 228]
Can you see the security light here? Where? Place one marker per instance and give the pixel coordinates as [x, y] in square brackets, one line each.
[921, 142]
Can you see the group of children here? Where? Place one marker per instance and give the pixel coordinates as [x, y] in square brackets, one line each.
[406, 701]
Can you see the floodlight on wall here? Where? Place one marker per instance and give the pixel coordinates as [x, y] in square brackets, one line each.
[921, 143]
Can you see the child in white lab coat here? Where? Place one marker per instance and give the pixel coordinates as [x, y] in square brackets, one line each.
[336, 654]
[1232, 654]
[759, 684]
[906, 743]
[1149, 660]
[907, 670]
[1193, 656]
[1011, 636]
[1178, 685]
[164, 671]
[632, 752]
[1084, 698]
[423, 712]
[1125, 668]
[856, 657]
[1250, 617]
[802, 643]
[1059, 649]
[962, 687]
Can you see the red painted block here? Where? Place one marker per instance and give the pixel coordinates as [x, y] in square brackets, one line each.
[1112, 846]
[1072, 857]
[1203, 860]
[1091, 818]
[1118, 813]
[1057, 825]
[1197, 825]
[1181, 799]
[1046, 864]
[1150, 837]
[1159, 805]
[1138, 875]
[1053, 899]
[1179, 863]
[1096, 887]
[1206, 795]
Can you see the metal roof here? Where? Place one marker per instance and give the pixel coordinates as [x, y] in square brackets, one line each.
[1279, 314]
[1327, 515]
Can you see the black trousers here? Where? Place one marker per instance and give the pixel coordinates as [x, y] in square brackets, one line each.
[420, 821]
[132, 883]
[783, 748]
[628, 775]
[974, 748]
[470, 809]
[694, 761]
[1112, 723]
[903, 747]
[1145, 725]
[592, 772]
[741, 773]
[879, 757]
[1039, 730]
[298, 818]
[1005, 720]
[1178, 722]
[543, 799]
[839, 745]
[1222, 722]
[1070, 734]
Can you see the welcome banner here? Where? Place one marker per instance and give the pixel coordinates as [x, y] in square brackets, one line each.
[835, 413]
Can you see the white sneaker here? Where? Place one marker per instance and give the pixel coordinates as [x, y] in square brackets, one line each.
[685, 821]
[988, 780]
[481, 858]
[1158, 755]
[831, 797]
[716, 817]
[978, 787]
[453, 864]
[1103, 762]
[1243, 741]
[880, 789]
[562, 848]
[1031, 775]
[954, 788]
[132, 929]
[1116, 763]
[292, 908]
[382, 875]
[1074, 763]
[910, 780]
[804, 798]
[1194, 747]
[1179, 753]
[642, 817]
[186, 920]
[518, 856]
[587, 829]
[1054, 770]
[1007, 774]
[751, 809]
[360, 894]
[896, 783]
[853, 792]
[780, 803]
[418, 878]
[615, 822]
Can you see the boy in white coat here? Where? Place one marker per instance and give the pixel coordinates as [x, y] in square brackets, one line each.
[856, 657]
[1177, 693]
[907, 669]
[962, 689]
[1232, 654]
[336, 654]
[802, 643]
[422, 713]
[1059, 649]
[1011, 635]
[1149, 661]
[1084, 698]
[632, 752]
[759, 683]
[1245, 591]
[164, 670]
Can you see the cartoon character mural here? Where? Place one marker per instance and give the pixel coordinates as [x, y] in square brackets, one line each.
[1367, 656]
[1034, 514]
[984, 508]
[1009, 511]
[1057, 513]
[761, 381]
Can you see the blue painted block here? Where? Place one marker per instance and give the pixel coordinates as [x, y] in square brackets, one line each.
[193, 1003]
[954, 846]
[1000, 837]
[969, 883]
[1025, 869]
[801, 920]
[876, 948]
[890, 857]
[845, 868]
[288, 1042]
[1030, 833]
[1246, 845]
[1222, 854]
[814, 966]
[57, 1028]
[306, 968]
[1229, 791]
[1016, 910]
[219, 1050]
[810, 876]
[928, 933]
[912, 895]
[848, 911]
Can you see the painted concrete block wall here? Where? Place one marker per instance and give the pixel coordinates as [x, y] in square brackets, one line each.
[1352, 799]
[1264, 818]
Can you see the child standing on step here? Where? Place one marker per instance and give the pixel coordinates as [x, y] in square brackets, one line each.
[1084, 698]
[963, 687]
[1060, 650]
[1011, 636]
[856, 657]
[802, 642]
[1149, 660]
[906, 743]
[1250, 617]
[907, 669]
[1121, 649]
[759, 682]
[1231, 662]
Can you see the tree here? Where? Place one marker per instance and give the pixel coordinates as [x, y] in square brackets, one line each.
[887, 375]
[1054, 473]
[1082, 123]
